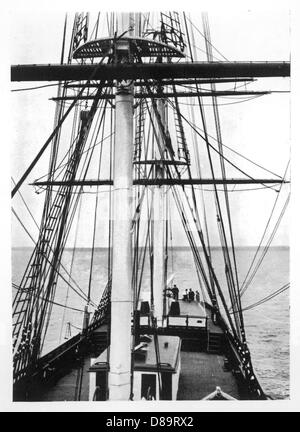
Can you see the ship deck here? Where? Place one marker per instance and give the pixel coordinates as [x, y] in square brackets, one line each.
[194, 308]
[64, 389]
[202, 369]
[201, 373]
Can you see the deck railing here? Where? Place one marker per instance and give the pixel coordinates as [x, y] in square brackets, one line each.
[243, 359]
[190, 321]
[73, 344]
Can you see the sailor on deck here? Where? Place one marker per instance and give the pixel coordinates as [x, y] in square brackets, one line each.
[185, 295]
[175, 292]
[191, 295]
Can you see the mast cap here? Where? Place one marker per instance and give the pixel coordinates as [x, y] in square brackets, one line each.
[145, 47]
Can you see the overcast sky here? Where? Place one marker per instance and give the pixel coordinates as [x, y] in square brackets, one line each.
[259, 129]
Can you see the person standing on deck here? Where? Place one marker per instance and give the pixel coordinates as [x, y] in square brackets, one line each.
[197, 297]
[191, 296]
[175, 292]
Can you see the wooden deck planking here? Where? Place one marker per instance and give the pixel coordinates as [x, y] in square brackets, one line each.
[64, 389]
[192, 308]
[201, 373]
[213, 328]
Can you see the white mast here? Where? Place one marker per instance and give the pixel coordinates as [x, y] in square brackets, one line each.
[121, 295]
[158, 229]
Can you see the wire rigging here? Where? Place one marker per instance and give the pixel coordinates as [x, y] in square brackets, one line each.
[213, 148]
[40, 87]
[248, 278]
[267, 298]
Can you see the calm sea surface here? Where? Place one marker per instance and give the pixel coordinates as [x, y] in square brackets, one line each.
[267, 326]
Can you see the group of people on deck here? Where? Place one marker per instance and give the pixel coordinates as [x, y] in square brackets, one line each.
[189, 295]
[174, 291]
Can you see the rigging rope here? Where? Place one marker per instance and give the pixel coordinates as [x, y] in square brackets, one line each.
[222, 190]
[206, 40]
[264, 233]
[168, 146]
[39, 87]
[63, 233]
[211, 146]
[247, 99]
[267, 298]
[71, 268]
[56, 130]
[265, 249]
[34, 322]
[236, 152]
[31, 237]
[17, 287]
[221, 226]
[59, 274]
[234, 283]
[95, 216]
[196, 151]
[41, 309]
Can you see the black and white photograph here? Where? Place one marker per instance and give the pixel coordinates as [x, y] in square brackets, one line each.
[150, 183]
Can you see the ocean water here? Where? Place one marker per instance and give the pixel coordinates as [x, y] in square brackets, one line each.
[267, 326]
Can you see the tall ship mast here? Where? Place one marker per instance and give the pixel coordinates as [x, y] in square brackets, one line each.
[130, 156]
